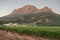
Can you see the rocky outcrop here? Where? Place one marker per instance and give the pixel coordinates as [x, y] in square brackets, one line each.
[28, 9]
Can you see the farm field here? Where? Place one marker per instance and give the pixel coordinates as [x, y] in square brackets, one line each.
[40, 31]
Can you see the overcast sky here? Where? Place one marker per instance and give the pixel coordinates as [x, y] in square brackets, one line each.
[7, 6]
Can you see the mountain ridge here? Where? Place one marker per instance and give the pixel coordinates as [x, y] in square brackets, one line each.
[29, 9]
[31, 15]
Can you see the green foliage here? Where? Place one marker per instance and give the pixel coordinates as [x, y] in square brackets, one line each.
[41, 18]
[43, 31]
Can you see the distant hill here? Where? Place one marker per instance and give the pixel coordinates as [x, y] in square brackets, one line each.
[30, 14]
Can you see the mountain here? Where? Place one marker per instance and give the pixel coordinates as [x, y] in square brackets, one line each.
[25, 10]
[30, 14]
[28, 9]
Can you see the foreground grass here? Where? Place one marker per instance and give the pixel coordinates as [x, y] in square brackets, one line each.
[42, 31]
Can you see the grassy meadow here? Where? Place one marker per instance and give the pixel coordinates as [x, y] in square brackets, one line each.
[42, 31]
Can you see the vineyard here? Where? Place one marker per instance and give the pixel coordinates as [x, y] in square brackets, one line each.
[42, 31]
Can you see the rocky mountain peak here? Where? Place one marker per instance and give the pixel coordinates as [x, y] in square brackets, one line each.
[30, 7]
[46, 9]
[27, 9]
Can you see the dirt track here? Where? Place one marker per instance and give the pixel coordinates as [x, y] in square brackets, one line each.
[4, 35]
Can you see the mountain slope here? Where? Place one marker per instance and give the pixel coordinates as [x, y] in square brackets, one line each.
[29, 14]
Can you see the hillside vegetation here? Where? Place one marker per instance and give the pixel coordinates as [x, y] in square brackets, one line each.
[44, 18]
[46, 32]
[29, 14]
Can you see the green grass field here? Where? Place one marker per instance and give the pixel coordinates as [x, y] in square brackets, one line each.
[42, 31]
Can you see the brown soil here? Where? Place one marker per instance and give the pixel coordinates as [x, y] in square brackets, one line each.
[4, 35]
